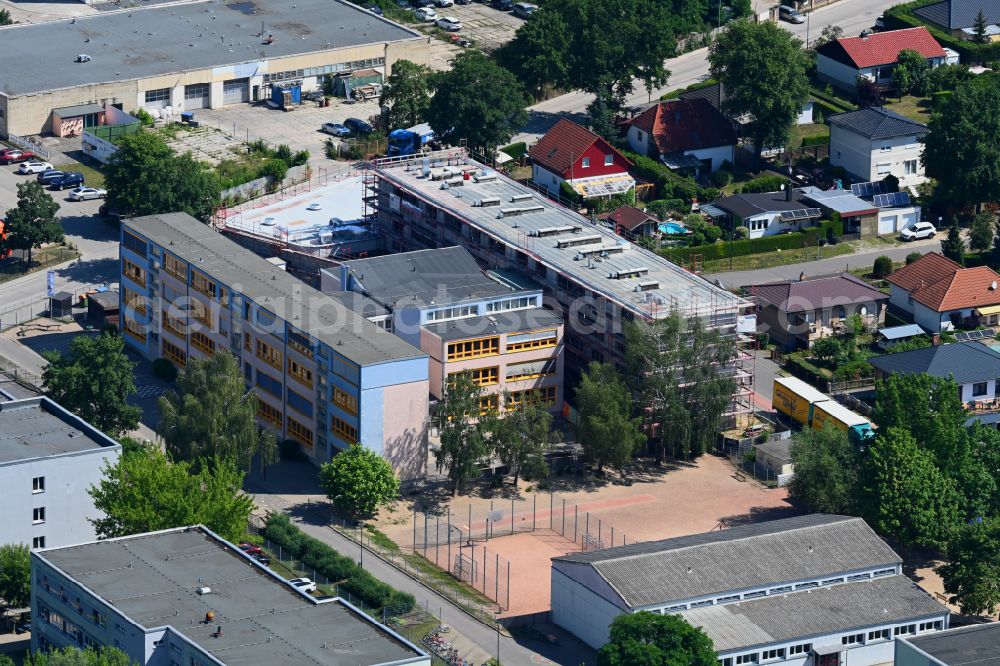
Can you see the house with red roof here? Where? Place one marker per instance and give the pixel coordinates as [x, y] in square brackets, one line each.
[941, 295]
[688, 135]
[573, 154]
[629, 221]
[873, 56]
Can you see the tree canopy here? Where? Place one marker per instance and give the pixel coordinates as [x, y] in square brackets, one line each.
[970, 576]
[477, 101]
[763, 69]
[826, 470]
[406, 94]
[145, 177]
[72, 656]
[519, 438]
[211, 414]
[32, 223]
[144, 492]
[15, 575]
[95, 381]
[462, 433]
[606, 429]
[910, 72]
[359, 481]
[651, 639]
[981, 232]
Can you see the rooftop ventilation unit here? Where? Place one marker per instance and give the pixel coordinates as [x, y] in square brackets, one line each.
[512, 212]
[604, 250]
[579, 240]
[555, 231]
[455, 182]
[629, 273]
[489, 201]
[484, 177]
[521, 197]
[647, 285]
[204, 590]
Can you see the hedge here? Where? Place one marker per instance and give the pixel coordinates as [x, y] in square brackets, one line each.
[807, 372]
[815, 140]
[901, 17]
[832, 101]
[668, 184]
[515, 150]
[827, 108]
[742, 248]
[700, 85]
[315, 554]
[765, 183]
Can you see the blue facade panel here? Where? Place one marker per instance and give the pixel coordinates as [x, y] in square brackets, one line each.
[403, 371]
[372, 412]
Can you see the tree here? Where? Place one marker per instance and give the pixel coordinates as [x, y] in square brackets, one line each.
[830, 33]
[867, 92]
[953, 246]
[95, 381]
[211, 414]
[650, 639]
[904, 494]
[520, 437]
[72, 656]
[6, 18]
[406, 93]
[144, 492]
[827, 349]
[32, 223]
[910, 72]
[537, 54]
[15, 575]
[359, 481]
[962, 146]
[979, 28]
[972, 572]
[981, 232]
[145, 177]
[6, 661]
[928, 408]
[763, 70]
[463, 441]
[882, 266]
[477, 101]
[605, 428]
[826, 470]
[912, 256]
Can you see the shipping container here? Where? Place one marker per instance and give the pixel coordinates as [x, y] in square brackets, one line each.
[857, 426]
[795, 399]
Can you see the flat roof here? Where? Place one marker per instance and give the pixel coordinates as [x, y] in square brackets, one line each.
[675, 287]
[303, 307]
[142, 43]
[11, 390]
[807, 391]
[810, 614]
[977, 645]
[37, 427]
[154, 580]
[514, 321]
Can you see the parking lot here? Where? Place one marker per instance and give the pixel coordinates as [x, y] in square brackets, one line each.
[488, 28]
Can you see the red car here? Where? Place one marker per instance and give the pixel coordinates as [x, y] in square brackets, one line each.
[251, 549]
[11, 155]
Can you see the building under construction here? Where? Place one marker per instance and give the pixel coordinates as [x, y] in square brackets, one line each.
[594, 278]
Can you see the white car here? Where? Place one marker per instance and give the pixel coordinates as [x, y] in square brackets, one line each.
[303, 584]
[34, 167]
[84, 193]
[444, 3]
[918, 230]
[426, 14]
[449, 23]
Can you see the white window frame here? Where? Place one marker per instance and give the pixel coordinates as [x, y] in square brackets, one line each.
[609, 159]
[585, 163]
[38, 485]
[38, 515]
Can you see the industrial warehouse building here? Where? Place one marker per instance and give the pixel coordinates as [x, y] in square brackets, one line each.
[186, 56]
[820, 590]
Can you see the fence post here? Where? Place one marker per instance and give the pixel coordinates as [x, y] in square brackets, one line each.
[551, 500]
[507, 607]
[425, 533]
[496, 581]
[534, 510]
[448, 527]
[414, 529]
[437, 540]
[512, 516]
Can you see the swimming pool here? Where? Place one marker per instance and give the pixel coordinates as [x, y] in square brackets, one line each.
[673, 228]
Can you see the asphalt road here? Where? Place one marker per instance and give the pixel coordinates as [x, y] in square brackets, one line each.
[851, 15]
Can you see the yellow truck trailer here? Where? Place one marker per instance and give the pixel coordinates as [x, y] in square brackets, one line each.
[795, 399]
[858, 428]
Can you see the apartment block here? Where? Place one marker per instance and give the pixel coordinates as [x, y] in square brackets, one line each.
[466, 320]
[48, 459]
[324, 376]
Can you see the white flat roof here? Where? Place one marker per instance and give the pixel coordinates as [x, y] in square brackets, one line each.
[843, 414]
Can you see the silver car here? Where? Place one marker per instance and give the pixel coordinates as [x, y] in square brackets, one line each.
[85, 193]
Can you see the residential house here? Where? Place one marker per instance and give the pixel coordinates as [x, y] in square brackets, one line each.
[688, 135]
[873, 143]
[974, 366]
[716, 94]
[865, 213]
[764, 213]
[489, 324]
[873, 56]
[573, 154]
[796, 313]
[958, 17]
[776, 457]
[631, 222]
[940, 295]
[819, 589]
[975, 645]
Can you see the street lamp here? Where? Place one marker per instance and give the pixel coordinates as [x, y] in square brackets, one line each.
[497, 613]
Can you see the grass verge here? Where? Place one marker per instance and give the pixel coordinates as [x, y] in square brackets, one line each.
[92, 176]
[777, 258]
[40, 260]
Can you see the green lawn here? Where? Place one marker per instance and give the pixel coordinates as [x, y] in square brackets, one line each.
[915, 108]
[92, 176]
[40, 260]
[777, 258]
[800, 132]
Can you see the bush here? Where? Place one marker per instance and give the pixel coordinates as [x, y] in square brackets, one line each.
[516, 150]
[661, 207]
[721, 178]
[144, 116]
[274, 169]
[765, 183]
[567, 192]
[816, 140]
[668, 184]
[741, 233]
[856, 369]
[742, 248]
[882, 267]
[911, 257]
[164, 369]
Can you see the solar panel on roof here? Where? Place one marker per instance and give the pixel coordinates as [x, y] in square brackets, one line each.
[967, 336]
[869, 188]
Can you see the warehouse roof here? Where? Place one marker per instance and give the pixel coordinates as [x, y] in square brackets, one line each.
[39, 428]
[814, 613]
[287, 297]
[978, 645]
[738, 558]
[154, 580]
[146, 42]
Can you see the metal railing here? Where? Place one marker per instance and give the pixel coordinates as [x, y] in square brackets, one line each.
[29, 143]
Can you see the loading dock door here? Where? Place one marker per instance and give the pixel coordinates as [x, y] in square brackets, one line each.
[196, 96]
[236, 91]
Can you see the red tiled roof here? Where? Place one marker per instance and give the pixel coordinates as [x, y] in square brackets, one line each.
[685, 124]
[925, 271]
[628, 217]
[563, 145]
[882, 48]
[966, 288]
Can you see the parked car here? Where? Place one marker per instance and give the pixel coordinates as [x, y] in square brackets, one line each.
[336, 129]
[375, 9]
[303, 584]
[503, 5]
[449, 23]
[358, 126]
[46, 177]
[463, 2]
[879, 24]
[251, 549]
[426, 14]
[263, 559]
[918, 230]
[444, 3]
[85, 193]
[421, 3]
[790, 14]
[11, 155]
[70, 179]
[524, 9]
[34, 167]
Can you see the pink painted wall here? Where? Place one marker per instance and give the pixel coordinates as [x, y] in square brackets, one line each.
[405, 446]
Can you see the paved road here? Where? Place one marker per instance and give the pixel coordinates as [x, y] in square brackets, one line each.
[851, 15]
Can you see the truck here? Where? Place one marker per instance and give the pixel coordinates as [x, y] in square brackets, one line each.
[858, 428]
[811, 408]
[409, 141]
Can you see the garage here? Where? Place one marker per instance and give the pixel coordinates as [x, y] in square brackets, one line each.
[908, 219]
[236, 91]
[157, 99]
[196, 96]
[887, 224]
